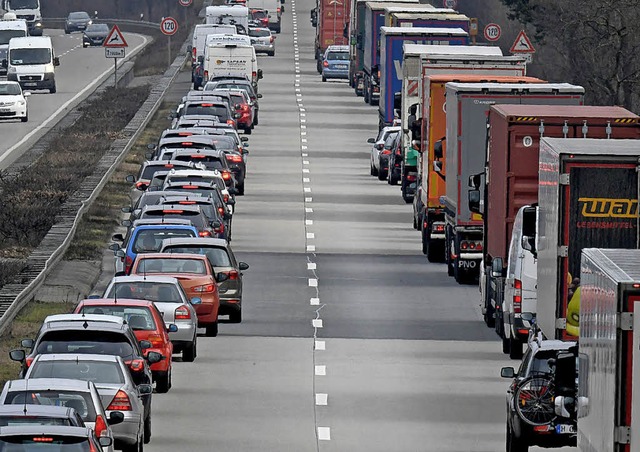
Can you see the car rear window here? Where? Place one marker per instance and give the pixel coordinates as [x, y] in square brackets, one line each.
[150, 170]
[138, 317]
[218, 257]
[152, 291]
[150, 240]
[187, 144]
[53, 443]
[198, 109]
[340, 56]
[210, 162]
[161, 265]
[17, 420]
[95, 371]
[80, 401]
[85, 342]
[259, 33]
[193, 190]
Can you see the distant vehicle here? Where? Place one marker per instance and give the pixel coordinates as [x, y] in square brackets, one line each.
[263, 40]
[13, 102]
[10, 29]
[237, 15]
[94, 35]
[27, 10]
[77, 21]
[335, 63]
[377, 146]
[32, 63]
[273, 10]
[259, 16]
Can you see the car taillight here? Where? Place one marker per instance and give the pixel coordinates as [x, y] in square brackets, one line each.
[325, 63]
[92, 448]
[438, 228]
[254, 74]
[182, 313]
[271, 39]
[28, 361]
[100, 426]
[220, 229]
[279, 9]
[411, 178]
[386, 152]
[471, 245]
[464, 245]
[234, 158]
[231, 122]
[221, 210]
[206, 75]
[141, 185]
[517, 296]
[226, 175]
[128, 262]
[156, 340]
[120, 402]
[194, 54]
[136, 365]
[204, 234]
[245, 107]
[207, 288]
[233, 275]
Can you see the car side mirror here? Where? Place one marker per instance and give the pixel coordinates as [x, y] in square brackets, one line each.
[145, 389]
[196, 301]
[260, 74]
[115, 418]
[148, 155]
[371, 140]
[172, 328]
[244, 139]
[26, 343]
[114, 246]
[107, 441]
[126, 223]
[497, 267]
[130, 178]
[56, 61]
[17, 355]
[154, 357]
[507, 372]
[120, 253]
[152, 146]
[126, 209]
[245, 151]
[242, 266]
[144, 345]
[173, 115]
[474, 201]
[437, 166]
[259, 96]
[215, 224]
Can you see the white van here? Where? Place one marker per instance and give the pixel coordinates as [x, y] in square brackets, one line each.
[31, 62]
[274, 10]
[199, 39]
[521, 284]
[10, 28]
[231, 59]
[237, 15]
[224, 39]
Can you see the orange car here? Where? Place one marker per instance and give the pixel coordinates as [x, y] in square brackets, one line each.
[147, 324]
[196, 277]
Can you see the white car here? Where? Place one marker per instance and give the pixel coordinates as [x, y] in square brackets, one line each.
[263, 40]
[13, 101]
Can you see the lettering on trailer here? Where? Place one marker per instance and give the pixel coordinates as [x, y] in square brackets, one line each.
[466, 264]
[609, 208]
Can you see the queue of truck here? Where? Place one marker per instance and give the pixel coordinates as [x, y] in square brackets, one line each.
[521, 188]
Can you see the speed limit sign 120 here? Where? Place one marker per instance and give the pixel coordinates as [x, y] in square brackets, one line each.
[169, 26]
[492, 32]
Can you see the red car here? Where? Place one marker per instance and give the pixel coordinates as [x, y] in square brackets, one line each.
[147, 324]
[245, 109]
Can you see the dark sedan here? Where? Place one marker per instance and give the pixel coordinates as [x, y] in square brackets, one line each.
[77, 21]
[94, 35]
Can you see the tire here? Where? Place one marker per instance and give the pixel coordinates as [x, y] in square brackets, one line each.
[137, 447]
[324, 79]
[488, 317]
[236, 317]
[271, 53]
[372, 169]
[382, 175]
[515, 348]
[190, 351]
[407, 199]
[255, 119]
[147, 430]
[448, 256]
[393, 179]
[163, 383]
[25, 118]
[67, 32]
[240, 193]
[53, 89]
[505, 346]
[434, 251]
[212, 330]
[248, 131]
[515, 444]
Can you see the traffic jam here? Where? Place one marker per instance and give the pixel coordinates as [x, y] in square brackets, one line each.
[88, 378]
[517, 187]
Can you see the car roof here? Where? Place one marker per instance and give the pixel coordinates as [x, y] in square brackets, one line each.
[194, 183]
[200, 241]
[205, 152]
[39, 430]
[78, 356]
[200, 257]
[115, 302]
[191, 131]
[84, 318]
[199, 173]
[186, 197]
[204, 139]
[41, 384]
[36, 410]
[145, 224]
[147, 278]
[167, 162]
[163, 207]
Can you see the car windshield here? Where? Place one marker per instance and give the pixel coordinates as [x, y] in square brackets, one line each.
[98, 28]
[150, 240]
[218, 257]
[341, 56]
[19, 57]
[85, 342]
[80, 401]
[211, 110]
[79, 15]
[23, 4]
[147, 290]
[12, 420]
[5, 35]
[106, 372]
[9, 89]
[258, 33]
[164, 265]
[139, 318]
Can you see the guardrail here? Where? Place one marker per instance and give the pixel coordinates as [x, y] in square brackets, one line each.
[13, 297]
[135, 23]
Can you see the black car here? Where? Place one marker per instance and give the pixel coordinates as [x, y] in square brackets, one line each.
[77, 21]
[237, 83]
[94, 35]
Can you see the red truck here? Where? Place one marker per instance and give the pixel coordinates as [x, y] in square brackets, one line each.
[330, 17]
[512, 177]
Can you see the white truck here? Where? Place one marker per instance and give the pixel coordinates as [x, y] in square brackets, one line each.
[231, 59]
[274, 10]
[28, 10]
[10, 28]
[237, 15]
[31, 62]
[199, 39]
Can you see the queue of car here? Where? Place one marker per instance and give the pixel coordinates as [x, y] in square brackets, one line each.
[95, 371]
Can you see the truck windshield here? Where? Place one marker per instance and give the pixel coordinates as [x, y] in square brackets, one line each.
[20, 57]
[23, 4]
[5, 35]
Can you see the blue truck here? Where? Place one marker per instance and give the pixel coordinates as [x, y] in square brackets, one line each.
[392, 40]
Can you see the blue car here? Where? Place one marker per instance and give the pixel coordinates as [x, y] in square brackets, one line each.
[335, 63]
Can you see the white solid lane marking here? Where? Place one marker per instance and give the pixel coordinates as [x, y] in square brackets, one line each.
[316, 323]
[305, 162]
[311, 265]
[321, 370]
[322, 399]
[306, 180]
[324, 433]
[306, 170]
[314, 302]
[320, 345]
[307, 189]
[313, 282]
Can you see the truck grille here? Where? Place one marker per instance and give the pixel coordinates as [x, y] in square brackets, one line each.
[27, 17]
[30, 78]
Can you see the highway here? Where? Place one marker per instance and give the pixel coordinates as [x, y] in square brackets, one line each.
[80, 72]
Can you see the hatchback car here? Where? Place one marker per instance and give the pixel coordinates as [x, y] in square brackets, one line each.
[51, 438]
[94, 35]
[147, 324]
[197, 277]
[39, 415]
[238, 84]
[150, 167]
[172, 302]
[77, 21]
[263, 40]
[335, 63]
[13, 101]
[223, 260]
[193, 213]
[244, 109]
[377, 146]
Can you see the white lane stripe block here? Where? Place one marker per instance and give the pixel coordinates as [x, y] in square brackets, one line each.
[303, 121]
[303, 115]
[314, 302]
[306, 179]
[307, 189]
[304, 154]
[313, 282]
[311, 248]
[316, 323]
[304, 140]
[297, 75]
[308, 200]
[324, 433]
[298, 90]
[320, 345]
[322, 399]
[308, 210]
[303, 147]
[321, 370]
[303, 133]
[302, 109]
[305, 170]
[305, 162]
[311, 265]
[308, 222]
[311, 235]
[303, 126]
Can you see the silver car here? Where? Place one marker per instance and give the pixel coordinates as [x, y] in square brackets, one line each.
[79, 395]
[263, 40]
[222, 259]
[172, 302]
[112, 380]
[59, 437]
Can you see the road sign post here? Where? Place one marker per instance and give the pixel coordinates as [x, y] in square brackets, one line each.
[169, 27]
[473, 29]
[114, 47]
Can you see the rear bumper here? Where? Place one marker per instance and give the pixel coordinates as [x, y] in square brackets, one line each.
[127, 432]
[185, 333]
[230, 306]
[207, 312]
[336, 73]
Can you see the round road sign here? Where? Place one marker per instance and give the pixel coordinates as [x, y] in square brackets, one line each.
[492, 32]
[185, 2]
[451, 4]
[169, 26]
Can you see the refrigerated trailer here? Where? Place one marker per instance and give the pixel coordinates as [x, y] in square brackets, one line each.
[435, 18]
[467, 106]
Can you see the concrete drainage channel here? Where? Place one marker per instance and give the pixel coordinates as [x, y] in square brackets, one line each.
[13, 297]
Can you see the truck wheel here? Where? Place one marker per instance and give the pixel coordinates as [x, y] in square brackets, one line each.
[434, 251]
[324, 79]
[381, 174]
[489, 312]
[366, 95]
[499, 325]
[425, 241]
[515, 348]
[450, 270]
[489, 318]
[53, 89]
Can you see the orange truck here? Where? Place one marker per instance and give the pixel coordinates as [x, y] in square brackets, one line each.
[428, 208]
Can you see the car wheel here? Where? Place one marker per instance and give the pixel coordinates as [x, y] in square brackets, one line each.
[240, 193]
[189, 352]
[212, 330]
[163, 383]
[137, 447]
[53, 89]
[515, 444]
[515, 348]
[147, 430]
[236, 317]
[271, 53]
[255, 119]
[25, 118]
[67, 32]
[248, 131]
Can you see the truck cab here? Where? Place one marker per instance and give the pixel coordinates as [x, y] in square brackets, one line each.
[31, 62]
[27, 10]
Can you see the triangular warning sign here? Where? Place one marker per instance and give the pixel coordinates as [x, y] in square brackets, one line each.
[522, 44]
[115, 38]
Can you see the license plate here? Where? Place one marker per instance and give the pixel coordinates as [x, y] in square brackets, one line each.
[5, 110]
[564, 429]
[30, 84]
[341, 66]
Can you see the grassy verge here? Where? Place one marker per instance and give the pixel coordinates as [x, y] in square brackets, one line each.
[26, 325]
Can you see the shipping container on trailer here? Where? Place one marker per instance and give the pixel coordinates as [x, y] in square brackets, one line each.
[391, 51]
[429, 19]
[417, 8]
[512, 174]
[332, 17]
[587, 197]
[467, 106]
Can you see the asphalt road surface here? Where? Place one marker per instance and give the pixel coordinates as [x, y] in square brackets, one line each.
[351, 341]
[80, 72]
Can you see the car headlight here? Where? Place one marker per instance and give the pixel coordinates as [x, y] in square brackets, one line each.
[90, 22]
[22, 103]
[38, 24]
